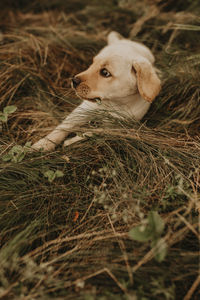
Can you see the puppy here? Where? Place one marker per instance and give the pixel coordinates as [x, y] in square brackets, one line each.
[121, 79]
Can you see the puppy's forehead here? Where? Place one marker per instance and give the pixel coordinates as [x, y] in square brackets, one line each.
[118, 51]
[113, 59]
[127, 51]
[110, 59]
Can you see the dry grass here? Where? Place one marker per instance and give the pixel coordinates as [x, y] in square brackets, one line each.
[69, 238]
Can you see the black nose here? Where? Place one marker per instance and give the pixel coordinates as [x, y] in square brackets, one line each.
[76, 81]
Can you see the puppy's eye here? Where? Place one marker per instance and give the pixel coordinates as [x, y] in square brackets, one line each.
[105, 73]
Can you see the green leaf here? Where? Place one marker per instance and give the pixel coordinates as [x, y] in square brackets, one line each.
[139, 234]
[155, 223]
[7, 157]
[3, 117]
[28, 145]
[9, 109]
[50, 175]
[16, 149]
[152, 230]
[14, 159]
[160, 249]
[59, 173]
[20, 156]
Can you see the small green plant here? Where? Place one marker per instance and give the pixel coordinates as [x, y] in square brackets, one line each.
[151, 229]
[159, 288]
[17, 153]
[8, 110]
[51, 175]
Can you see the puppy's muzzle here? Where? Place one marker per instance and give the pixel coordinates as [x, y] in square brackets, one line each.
[82, 90]
[75, 82]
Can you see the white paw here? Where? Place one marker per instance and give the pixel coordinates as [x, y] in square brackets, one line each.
[44, 145]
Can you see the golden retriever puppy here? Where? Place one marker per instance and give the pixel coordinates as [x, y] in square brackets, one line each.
[121, 79]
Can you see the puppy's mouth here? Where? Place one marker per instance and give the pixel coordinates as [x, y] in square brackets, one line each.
[84, 90]
[94, 100]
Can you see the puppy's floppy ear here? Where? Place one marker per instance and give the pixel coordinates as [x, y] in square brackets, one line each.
[147, 80]
[114, 37]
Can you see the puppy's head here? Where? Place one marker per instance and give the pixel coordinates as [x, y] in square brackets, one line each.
[121, 69]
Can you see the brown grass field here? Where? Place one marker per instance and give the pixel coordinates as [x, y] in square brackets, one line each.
[116, 216]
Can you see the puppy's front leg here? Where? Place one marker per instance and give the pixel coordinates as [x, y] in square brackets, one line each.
[78, 117]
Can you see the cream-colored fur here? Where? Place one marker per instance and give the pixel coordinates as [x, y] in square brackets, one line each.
[129, 87]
